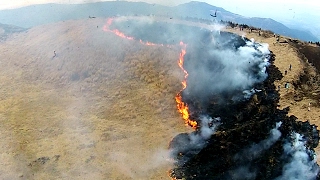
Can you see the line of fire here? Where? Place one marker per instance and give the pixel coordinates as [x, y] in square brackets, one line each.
[182, 106]
[229, 98]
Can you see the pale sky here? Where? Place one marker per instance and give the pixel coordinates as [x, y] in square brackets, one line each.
[280, 10]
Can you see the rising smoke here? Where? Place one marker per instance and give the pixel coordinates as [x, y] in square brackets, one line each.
[190, 144]
[226, 70]
[302, 162]
[255, 150]
[245, 170]
[226, 67]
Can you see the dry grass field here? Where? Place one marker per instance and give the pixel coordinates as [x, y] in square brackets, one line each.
[102, 107]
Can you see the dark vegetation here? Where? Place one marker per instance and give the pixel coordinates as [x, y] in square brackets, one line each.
[309, 80]
[311, 53]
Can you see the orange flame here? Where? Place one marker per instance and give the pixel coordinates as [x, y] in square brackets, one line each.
[106, 28]
[115, 31]
[182, 106]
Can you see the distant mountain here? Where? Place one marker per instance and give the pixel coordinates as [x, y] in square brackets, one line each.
[47, 13]
[6, 29]
[35, 15]
[202, 10]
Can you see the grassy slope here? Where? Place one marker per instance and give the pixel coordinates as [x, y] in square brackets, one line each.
[103, 108]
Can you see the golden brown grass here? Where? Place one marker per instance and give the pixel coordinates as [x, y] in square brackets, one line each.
[103, 108]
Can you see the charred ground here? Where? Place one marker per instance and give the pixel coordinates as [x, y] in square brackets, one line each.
[245, 123]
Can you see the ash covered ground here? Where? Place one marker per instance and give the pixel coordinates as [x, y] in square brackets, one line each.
[230, 94]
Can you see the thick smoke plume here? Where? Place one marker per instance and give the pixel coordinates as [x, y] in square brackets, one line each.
[191, 144]
[256, 150]
[230, 94]
[226, 67]
[302, 161]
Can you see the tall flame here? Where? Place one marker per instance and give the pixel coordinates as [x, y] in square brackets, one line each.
[182, 106]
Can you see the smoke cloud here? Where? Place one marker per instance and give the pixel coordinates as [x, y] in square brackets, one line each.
[302, 163]
[190, 144]
[222, 67]
[207, 128]
[228, 67]
[255, 150]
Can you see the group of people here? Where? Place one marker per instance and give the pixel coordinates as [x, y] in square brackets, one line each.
[286, 85]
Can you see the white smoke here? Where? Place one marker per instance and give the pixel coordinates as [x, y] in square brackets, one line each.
[191, 144]
[237, 72]
[243, 172]
[228, 69]
[300, 166]
[249, 93]
[207, 129]
[255, 150]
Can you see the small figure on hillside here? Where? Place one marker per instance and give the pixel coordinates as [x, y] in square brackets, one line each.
[286, 85]
[259, 33]
[285, 72]
[215, 14]
[309, 106]
[54, 54]
[290, 67]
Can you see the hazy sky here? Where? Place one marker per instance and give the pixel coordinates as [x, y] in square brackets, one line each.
[277, 9]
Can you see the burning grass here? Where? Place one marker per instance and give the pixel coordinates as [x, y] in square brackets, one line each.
[232, 115]
[111, 100]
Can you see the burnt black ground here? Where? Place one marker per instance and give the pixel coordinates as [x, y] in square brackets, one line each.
[245, 123]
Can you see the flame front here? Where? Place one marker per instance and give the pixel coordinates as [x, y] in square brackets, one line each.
[182, 106]
[106, 28]
[115, 31]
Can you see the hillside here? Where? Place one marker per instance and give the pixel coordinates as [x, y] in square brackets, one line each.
[79, 102]
[34, 15]
[98, 108]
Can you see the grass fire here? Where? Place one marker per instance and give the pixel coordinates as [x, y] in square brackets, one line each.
[228, 97]
[155, 97]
